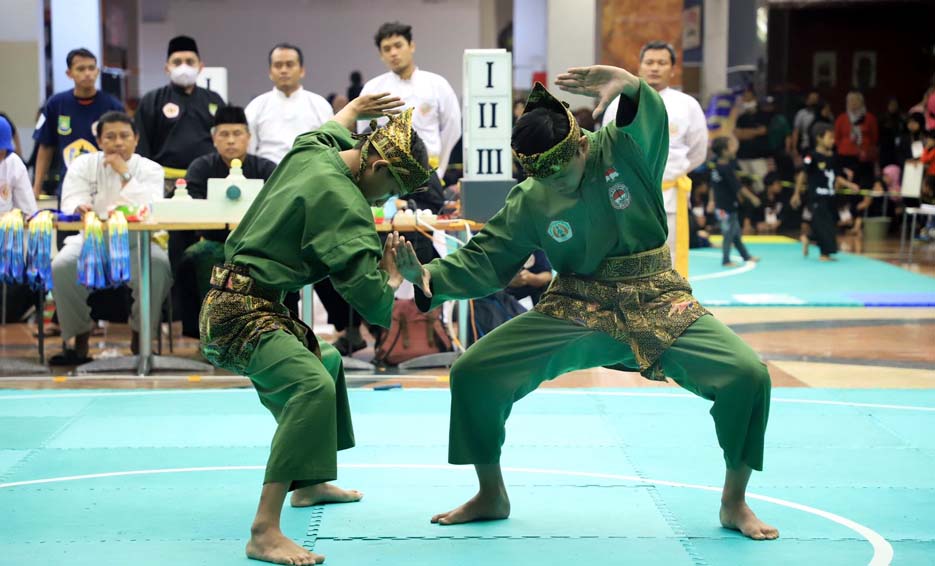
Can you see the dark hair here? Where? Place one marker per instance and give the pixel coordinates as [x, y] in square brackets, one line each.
[80, 52]
[720, 145]
[746, 181]
[287, 46]
[821, 128]
[356, 77]
[917, 117]
[113, 117]
[389, 29]
[658, 44]
[539, 130]
[770, 178]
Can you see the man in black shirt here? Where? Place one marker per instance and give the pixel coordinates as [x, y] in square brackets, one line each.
[752, 130]
[195, 252]
[727, 189]
[175, 121]
[820, 177]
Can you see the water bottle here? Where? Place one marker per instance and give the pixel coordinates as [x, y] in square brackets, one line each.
[181, 190]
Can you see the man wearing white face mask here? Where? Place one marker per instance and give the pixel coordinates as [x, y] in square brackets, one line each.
[174, 122]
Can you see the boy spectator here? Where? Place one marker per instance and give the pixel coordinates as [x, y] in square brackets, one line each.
[65, 121]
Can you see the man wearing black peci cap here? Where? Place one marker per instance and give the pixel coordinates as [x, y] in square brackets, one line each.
[175, 121]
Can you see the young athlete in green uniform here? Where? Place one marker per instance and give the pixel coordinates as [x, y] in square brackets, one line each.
[592, 203]
[311, 220]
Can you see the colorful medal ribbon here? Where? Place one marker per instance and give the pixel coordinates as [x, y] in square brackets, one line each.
[39, 252]
[118, 237]
[12, 249]
[92, 264]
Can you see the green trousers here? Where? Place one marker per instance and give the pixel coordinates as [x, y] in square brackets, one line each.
[708, 359]
[308, 398]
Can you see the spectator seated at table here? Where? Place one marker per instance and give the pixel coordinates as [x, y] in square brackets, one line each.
[199, 251]
[94, 182]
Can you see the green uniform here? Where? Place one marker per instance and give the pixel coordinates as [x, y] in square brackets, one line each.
[310, 221]
[616, 301]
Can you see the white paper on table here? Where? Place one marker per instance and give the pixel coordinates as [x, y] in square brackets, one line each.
[440, 241]
[912, 179]
[406, 291]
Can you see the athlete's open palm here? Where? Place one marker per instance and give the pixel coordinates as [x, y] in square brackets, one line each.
[597, 81]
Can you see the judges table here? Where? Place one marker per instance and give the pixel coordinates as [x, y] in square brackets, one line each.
[146, 362]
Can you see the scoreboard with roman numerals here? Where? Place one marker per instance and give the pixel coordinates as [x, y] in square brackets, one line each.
[488, 122]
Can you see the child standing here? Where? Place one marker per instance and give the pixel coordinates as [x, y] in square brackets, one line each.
[726, 188]
[821, 176]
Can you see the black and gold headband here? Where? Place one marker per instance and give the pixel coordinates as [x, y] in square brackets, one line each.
[394, 143]
[559, 155]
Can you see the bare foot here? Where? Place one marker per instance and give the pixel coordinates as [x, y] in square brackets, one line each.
[323, 493]
[270, 545]
[481, 507]
[729, 264]
[739, 517]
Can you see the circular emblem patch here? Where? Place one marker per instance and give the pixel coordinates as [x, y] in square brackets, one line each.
[170, 110]
[560, 231]
[619, 196]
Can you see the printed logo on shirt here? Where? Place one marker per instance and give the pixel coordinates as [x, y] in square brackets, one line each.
[821, 165]
[619, 196]
[170, 110]
[807, 160]
[4, 191]
[64, 125]
[610, 175]
[560, 231]
[74, 149]
[425, 108]
[212, 108]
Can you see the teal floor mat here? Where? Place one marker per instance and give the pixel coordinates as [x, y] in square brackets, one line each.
[600, 477]
[785, 278]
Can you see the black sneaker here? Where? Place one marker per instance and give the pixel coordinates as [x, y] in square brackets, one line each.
[345, 348]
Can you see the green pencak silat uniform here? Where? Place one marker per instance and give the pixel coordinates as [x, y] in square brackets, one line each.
[616, 301]
[310, 221]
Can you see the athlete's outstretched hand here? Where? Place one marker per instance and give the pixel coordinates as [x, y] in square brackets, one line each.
[388, 263]
[597, 81]
[411, 269]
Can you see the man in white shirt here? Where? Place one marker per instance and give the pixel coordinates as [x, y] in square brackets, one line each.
[437, 115]
[278, 116]
[15, 188]
[688, 143]
[94, 182]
